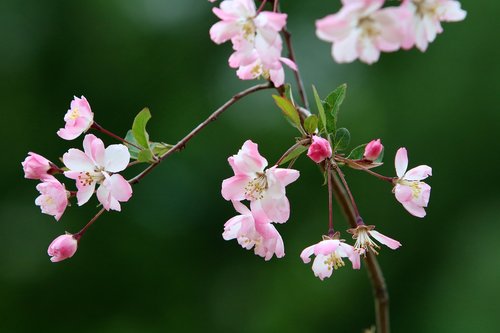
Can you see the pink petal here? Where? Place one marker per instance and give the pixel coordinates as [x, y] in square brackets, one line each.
[77, 160]
[326, 247]
[120, 188]
[241, 208]
[271, 21]
[320, 269]
[283, 176]
[414, 209]
[452, 12]
[248, 159]
[277, 76]
[276, 205]
[84, 192]
[403, 193]
[289, 63]
[307, 253]
[345, 50]
[234, 188]
[389, 242]
[418, 173]
[222, 31]
[94, 148]
[401, 162]
[68, 134]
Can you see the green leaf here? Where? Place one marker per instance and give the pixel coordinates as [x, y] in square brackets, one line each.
[289, 111]
[332, 104]
[321, 110]
[357, 153]
[293, 154]
[139, 128]
[145, 155]
[134, 152]
[159, 148]
[288, 93]
[311, 124]
[341, 139]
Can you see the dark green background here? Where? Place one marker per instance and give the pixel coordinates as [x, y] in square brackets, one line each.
[161, 265]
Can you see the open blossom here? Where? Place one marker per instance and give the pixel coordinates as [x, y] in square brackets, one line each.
[53, 198]
[78, 119]
[63, 247]
[253, 182]
[36, 166]
[329, 253]
[409, 189]
[364, 243]
[425, 20]
[319, 149]
[97, 165]
[373, 150]
[255, 37]
[361, 29]
[253, 229]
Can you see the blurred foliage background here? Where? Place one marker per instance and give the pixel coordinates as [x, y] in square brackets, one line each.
[161, 265]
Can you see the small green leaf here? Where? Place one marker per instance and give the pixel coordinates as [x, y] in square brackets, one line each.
[294, 153]
[134, 152]
[288, 110]
[145, 155]
[321, 110]
[139, 128]
[357, 153]
[341, 139]
[332, 104]
[311, 124]
[159, 148]
[288, 93]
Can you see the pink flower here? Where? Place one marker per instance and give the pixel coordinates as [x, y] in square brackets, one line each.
[319, 149]
[78, 119]
[53, 198]
[36, 166]
[409, 189]
[253, 182]
[361, 30]
[97, 165]
[329, 253]
[63, 247]
[425, 20]
[373, 150]
[255, 39]
[363, 242]
[253, 229]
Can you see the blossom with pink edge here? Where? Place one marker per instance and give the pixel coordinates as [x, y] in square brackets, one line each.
[78, 119]
[255, 39]
[53, 198]
[329, 253]
[409, 189]
[361, 29]
[425, 21]
[253, 229]
[253, 182]
[319, 149]
[99, 165]
[36, 166]
[373, 150]
[63, 247]
[364, 243]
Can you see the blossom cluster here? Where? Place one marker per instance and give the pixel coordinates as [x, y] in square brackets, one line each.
[96, 165]
[255, 38]
[362, 28]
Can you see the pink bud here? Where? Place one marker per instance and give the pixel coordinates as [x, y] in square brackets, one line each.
[373, 150]
[63, 247]
[36, 166]
[319, 149]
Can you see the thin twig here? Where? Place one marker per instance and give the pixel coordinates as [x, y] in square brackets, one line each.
[298, 78]
[380, 293]
[361, 167]
[79, 234]
[101, 129]
[182, 143]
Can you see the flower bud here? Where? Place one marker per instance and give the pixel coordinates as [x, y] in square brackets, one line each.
[36, 166]
[373, 150]
[63, 247]
[319, 149]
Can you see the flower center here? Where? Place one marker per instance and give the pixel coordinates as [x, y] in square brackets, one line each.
[368, 27]
[364, 242]
[87, 178]
[422, 8]
[75, 113]
[416, 190]
[334, 261]
[248, 29]
[256, 187]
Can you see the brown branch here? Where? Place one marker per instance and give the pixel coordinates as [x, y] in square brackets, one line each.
[182, 143]
[298, 78]
[375, 274]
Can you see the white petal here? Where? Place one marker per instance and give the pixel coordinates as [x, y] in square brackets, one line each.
[116, 158]
[401, 162]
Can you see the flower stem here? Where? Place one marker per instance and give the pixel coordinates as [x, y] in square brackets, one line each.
[182, 143]
[79, 234]
[331, 231]
[380, 293]
[359, 220]
[101, 129]
[291, 149]
[261, 6]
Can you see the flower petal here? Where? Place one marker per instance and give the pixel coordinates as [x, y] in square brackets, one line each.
[403, 193]
[414, 209]
[77, 160]
[233, 188]
[401, 162]
[116, 158]
[418, 173]
[389, 242]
